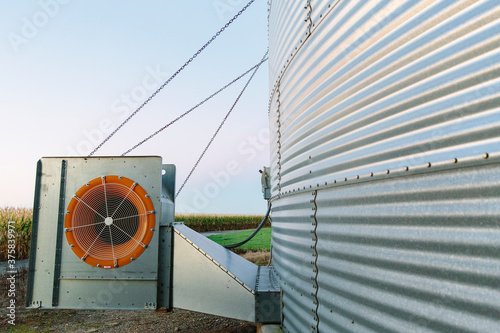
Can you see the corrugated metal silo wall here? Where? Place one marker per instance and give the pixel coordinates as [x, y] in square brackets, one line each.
[385, 117]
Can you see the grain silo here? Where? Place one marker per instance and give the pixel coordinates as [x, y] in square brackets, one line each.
[385, 172]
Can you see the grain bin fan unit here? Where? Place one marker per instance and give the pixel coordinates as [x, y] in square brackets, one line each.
[104, 237]
[96, 232]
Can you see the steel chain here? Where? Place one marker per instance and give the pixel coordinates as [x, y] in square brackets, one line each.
[193, 108]
[172, 77]
[222, 124]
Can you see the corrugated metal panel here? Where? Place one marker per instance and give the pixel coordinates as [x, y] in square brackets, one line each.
[321, 8]
[287, 30]
[387, 104]
[400, 101]
[294, 262]
[411, 254]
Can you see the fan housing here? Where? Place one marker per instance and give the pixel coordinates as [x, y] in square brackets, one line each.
[109, 222]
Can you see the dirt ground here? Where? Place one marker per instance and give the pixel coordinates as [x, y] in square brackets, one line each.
[89, 321]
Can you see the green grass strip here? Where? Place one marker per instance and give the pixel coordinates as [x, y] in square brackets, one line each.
[261, 241]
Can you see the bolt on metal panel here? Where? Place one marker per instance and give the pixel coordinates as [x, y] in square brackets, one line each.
[417, 253]
[294, 259]
[285, 36]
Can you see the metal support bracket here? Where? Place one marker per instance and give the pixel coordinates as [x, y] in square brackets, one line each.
[266, 182]
[60, 225]
[34, 235]
[164, 287]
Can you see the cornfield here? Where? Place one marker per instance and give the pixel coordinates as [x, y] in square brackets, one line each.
[202, 223]
[23, 217]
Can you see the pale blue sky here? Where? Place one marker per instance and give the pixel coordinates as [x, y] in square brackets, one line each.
[70, 71]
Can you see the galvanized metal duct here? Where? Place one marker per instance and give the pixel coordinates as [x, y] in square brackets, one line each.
[385, 122]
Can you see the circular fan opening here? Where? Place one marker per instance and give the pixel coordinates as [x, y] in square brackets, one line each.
[125, 221]
[109, 222]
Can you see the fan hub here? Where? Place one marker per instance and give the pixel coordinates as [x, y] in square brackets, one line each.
[108, 221]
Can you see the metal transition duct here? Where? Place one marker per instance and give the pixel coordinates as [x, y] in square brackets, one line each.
[385, 175]
[104, 237]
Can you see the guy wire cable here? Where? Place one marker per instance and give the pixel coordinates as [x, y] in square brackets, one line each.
[172, 77]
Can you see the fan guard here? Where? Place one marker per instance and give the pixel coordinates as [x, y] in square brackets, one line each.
[109, 222]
